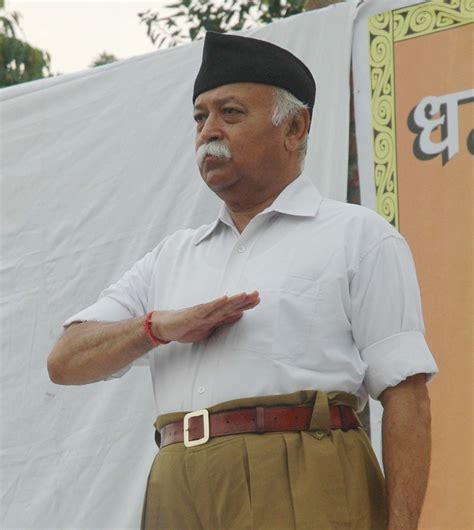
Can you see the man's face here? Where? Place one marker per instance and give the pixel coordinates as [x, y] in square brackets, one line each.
[239, 117]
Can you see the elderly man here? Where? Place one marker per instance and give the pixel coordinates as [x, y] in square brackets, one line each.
[256, 390]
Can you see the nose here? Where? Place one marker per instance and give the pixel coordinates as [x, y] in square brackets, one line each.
[211, 130]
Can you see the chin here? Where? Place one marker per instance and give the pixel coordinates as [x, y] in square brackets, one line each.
[218, 188]
[218, 181]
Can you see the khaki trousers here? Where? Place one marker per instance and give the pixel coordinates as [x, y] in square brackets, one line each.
[315, 480]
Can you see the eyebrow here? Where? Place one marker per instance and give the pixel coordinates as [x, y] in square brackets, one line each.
[222, 101]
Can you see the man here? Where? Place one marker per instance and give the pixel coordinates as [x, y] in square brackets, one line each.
[255, 391]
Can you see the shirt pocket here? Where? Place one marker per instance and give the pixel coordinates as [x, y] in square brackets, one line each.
[280, 325]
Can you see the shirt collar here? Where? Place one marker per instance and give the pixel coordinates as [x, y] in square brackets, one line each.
[300, 198]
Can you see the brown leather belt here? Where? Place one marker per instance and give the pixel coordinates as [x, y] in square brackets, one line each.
[201, 425]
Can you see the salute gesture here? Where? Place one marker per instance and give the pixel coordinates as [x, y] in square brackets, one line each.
[196, 323]
[92, 351]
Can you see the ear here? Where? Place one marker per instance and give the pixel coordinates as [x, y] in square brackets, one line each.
[296, 130]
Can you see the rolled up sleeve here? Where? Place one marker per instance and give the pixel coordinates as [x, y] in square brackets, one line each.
[106, 309]
[127, 298]
[387, 320]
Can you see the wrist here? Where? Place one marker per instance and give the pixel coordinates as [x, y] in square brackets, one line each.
[147, 328]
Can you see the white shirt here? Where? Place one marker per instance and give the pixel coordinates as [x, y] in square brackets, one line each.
[340, 305]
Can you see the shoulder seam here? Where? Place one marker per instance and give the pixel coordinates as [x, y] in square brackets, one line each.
[376, 244]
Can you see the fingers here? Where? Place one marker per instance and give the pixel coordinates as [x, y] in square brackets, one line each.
[242, 299]
[242, 304]
[213, 305]
[230, 319]
[252, 300]
[227, 304]
[236, 303]
[196, 322]
[247, 301]
[236, 298]
[225, 310]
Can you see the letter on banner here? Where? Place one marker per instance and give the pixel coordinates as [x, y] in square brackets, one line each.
[422, 122]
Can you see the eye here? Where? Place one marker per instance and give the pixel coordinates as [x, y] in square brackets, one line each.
[199, 118]
[231, 111]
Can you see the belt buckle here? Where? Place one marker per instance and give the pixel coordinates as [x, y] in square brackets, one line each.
[204, 413]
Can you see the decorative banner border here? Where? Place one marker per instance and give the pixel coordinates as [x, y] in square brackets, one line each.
[385, 29]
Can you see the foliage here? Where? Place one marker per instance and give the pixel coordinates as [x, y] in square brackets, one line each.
[19, 62]
[103, 58]
[190, 19]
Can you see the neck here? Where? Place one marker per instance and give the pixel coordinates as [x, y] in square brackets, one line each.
[242, 213]
[242, 217]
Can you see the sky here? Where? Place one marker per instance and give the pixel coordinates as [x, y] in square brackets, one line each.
[76, 32]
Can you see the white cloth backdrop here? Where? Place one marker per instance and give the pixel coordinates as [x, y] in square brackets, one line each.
[97, 167]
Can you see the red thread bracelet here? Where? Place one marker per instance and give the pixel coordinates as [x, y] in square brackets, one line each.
[149, 333]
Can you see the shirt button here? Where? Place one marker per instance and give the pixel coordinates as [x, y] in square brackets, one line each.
[201, 390]
[241, 249]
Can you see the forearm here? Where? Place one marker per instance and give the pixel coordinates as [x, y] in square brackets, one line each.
[406, 433]
[92, 351]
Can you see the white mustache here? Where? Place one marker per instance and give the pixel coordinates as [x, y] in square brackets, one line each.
[214, 148]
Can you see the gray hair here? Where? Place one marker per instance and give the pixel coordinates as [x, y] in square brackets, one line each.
[286, 106]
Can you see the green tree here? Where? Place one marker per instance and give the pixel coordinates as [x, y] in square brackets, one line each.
[19, 62]
[103, 58]
[190, 19]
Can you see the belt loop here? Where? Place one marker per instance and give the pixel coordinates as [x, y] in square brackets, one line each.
[320, 419]
[347, 415]
[157, 434]
[158, 438]
[260, 417]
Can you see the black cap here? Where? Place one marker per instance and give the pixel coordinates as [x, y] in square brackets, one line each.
[230, 59]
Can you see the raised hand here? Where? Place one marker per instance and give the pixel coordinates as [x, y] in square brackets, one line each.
[196, 323]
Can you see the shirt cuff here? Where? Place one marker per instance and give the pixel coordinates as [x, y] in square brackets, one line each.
[393, 359]
[104, 310]
[107, 310]
[119, 374]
